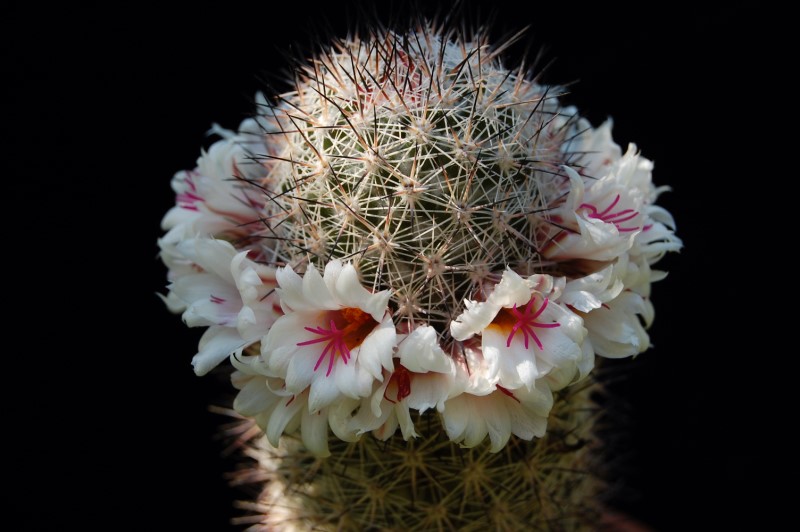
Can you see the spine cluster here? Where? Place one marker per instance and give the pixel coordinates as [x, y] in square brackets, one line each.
[422, 161]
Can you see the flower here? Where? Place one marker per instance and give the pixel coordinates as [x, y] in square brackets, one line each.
[478, 406]
[469, 418]
[278, 411]
[598, 222]
[335, 335]
[227, 292]
[215, 198]
[598, 151]
[422, 378]
[524, 334]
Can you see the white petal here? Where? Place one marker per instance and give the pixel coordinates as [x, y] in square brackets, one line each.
[213, 255]
[387, 429]
[176, 218]
[455, 417]
[591, 291]
[404, 420]
[420, 352]
[351, 293]
[529, 416]
[559, 348]
[586, 362]
[375, 351]
[216, 344]
[316, 291]
[281, 417]
[575, 197]
[511, 290]
[248, 365]
[366, 420]
[352, 380]
[254, 398]
[314, 431]
[562, 345]
[246, 318]
[476, 430]
[290, 290]
[323, 392]
[210, 301]
[429, 390]
[340, 414]
[478, 372]
[279, 346]
[300, 373]
[615, 330]
[332, 271]
[378, 399]
[476, 317]
[516, 363]
[254, 281]
[498, 425]
[173, 302]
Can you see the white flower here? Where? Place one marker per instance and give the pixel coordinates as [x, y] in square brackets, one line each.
[657, 236]
[216, 194]
[278, 411]
[423, 378]
[524, 335]
[256, 398]
[599, 220]
[335, 336]
[598, 150]
[222, 197]
[468, 418]
[615, 329]
[227, 292]
[611, 313]
[590, 292]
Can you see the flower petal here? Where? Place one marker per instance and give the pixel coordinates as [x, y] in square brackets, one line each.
[211, 254]
[420, 352]
[511, 290]
[529, 416]
[403, 417]
[216, 344]
[324, 391]
[254, 397]
[429, 390]
[314, 431]
[285, 411]
[316, 292]
[498, 425]
[300, 373]
[455, 417]
[375, 352]
[516, 364]
[351, 293]
[475, 318]
[340, 415]
[209, 300]
[280, 344]
[352, 380]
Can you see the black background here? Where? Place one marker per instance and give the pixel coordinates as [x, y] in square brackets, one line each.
[106, 422]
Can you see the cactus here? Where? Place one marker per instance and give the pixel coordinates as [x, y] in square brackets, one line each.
[416, 237]
[429, 484]
[424, 163]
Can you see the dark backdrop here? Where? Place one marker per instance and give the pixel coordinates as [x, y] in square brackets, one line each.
[106, 421]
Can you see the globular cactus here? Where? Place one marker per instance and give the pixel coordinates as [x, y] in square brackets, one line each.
[416, 237]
